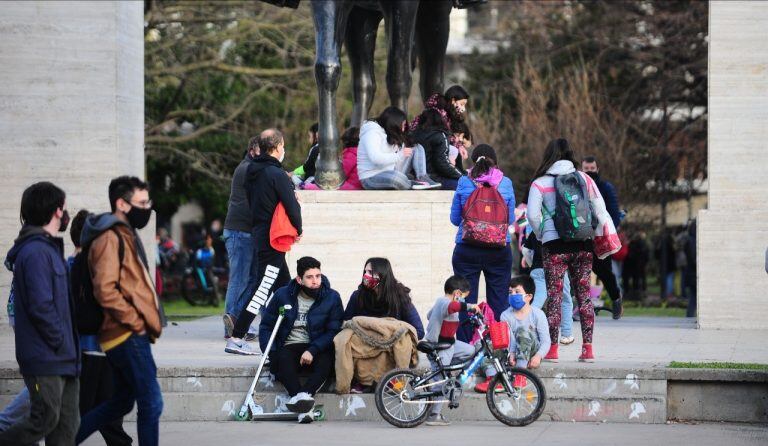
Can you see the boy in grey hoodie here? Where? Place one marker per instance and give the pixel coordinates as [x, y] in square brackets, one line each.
[443, 322]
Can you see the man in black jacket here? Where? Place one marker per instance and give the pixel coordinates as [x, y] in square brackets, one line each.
[267, 184]
[604, 268]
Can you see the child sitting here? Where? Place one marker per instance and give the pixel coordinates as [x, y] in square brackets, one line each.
[443, 322]
[529, 337]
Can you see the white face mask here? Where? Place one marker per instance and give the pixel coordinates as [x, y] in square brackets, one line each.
[282, 156]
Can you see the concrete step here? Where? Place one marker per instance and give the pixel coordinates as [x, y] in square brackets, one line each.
[573, 394]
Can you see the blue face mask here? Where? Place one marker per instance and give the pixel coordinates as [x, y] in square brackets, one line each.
[516, 301]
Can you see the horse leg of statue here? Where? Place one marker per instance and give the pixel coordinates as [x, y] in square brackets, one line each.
[361, 43]
[400, 21]
[330, 17]
[433, 25]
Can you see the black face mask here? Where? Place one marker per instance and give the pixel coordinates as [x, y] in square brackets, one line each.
[311, 292]
[138, 217]
[594, 175]
[64, 221]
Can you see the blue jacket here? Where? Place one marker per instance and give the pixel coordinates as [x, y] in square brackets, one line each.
[323, 318]
[409, 314]
[46, 338]
[611, 199]
[465, 189]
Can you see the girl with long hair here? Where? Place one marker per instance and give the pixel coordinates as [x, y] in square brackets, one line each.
[384, 159]
[559, 255]
[433, 135]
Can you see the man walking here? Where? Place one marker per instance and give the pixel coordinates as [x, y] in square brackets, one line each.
[237, 237]
[46, 341]
[267, 184]
[603, 268]
[122, 286]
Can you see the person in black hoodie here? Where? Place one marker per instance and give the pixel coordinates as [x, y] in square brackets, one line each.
[432, 134]
[47, 349]
[267, 184]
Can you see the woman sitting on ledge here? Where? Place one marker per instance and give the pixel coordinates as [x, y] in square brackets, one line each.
[381, 295]
[384, 161]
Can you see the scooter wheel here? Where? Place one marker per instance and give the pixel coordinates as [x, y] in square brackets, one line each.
[243, 417]
[319, 414]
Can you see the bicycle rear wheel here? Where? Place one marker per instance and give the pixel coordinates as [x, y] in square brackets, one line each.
[520, 405]
[393, 399]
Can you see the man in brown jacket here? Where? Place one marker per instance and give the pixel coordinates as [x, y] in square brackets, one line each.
[124, 289]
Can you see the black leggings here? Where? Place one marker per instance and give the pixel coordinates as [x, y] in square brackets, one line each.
[268, 273]
[286, 367]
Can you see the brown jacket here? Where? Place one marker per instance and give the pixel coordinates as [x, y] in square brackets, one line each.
[369, 347]
[131, 307]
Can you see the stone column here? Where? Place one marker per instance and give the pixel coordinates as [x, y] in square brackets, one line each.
[733, 232]
[71, 104]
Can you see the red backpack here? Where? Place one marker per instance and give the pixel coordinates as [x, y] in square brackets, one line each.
[486, 218]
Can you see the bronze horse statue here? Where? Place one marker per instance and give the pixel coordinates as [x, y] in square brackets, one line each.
[417, 30]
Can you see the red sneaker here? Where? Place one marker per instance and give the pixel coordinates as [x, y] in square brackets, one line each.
[586, 353]
[483, 386]
[520, 381]
[552, 353]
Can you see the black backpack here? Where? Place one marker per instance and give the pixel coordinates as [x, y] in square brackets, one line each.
[573, 211]
[89, 313]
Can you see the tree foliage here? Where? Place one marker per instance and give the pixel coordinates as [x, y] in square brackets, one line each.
[623, 80]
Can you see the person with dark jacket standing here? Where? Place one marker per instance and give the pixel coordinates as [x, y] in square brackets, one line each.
[47, 348]
[432, 134]
[237, 237]
[131, 310]
[603, 268]
[267, 184]
[305, 337]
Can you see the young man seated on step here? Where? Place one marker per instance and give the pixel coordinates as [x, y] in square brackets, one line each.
[304, 339]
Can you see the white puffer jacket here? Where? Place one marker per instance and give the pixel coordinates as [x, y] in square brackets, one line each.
[543, 192]
[374, 154]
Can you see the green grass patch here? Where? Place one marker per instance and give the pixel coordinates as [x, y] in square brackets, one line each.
[179, 309]
[717, 365]
[651, 312]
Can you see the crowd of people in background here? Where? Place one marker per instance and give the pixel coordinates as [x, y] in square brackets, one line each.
[94, 316]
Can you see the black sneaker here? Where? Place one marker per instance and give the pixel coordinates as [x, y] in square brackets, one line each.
[618, 309]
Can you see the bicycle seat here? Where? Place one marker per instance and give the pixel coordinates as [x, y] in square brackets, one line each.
[429, 347]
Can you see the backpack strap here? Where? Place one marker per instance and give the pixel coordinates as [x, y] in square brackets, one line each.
[120, 253]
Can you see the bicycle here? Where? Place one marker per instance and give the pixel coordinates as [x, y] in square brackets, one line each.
[515, 396]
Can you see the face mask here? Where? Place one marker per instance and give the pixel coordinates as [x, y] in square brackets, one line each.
[282, 157]
[594, 175]
[516, 301]
[370, 282]
[311, 292]
[138, 217]
[459, 109]
[64, 221]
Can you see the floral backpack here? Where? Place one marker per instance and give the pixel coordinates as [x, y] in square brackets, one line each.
[486, 218]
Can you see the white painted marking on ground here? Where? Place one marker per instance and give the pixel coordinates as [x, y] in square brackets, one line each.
[560, 381]
[354, 403]
[637, 409]
[594, 408]
[632, 381]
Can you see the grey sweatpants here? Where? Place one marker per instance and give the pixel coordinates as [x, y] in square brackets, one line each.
[460, 351]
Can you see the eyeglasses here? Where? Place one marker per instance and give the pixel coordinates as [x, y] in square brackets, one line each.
[144, 204]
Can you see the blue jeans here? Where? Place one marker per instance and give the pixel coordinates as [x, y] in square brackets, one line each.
[496, 265]
[397, 179]
[135, 375]
[240, 252]
[566, 323]
[16, 411]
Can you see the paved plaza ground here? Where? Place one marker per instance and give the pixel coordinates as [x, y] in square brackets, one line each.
[626, 343]
[485, 433]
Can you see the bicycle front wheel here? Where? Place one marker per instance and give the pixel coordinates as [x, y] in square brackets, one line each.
[520, 405]
[393, 399]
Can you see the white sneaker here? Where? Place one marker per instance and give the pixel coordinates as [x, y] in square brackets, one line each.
[306, 418]
[301, 403]
[239, 347]
[567, 340]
